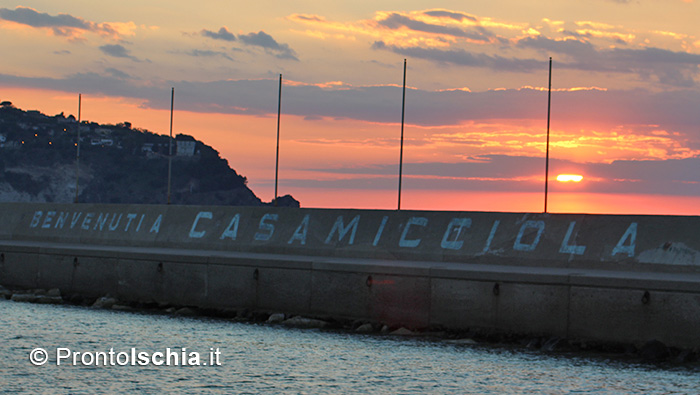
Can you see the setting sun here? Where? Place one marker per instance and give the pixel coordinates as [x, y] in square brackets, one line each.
[569, 178]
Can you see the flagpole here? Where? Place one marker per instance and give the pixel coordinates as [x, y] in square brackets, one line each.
[277, 155]
[170, 142]
[549, 109]
[403, 111]
[77, 152]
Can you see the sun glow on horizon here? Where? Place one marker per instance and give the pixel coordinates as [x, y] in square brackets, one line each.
[569, 178]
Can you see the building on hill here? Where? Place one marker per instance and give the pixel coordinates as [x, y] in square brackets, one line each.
[102, 141]
[185, 145]
[104, 132]
[185, 148]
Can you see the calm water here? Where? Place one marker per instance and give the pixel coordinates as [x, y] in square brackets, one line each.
[272, 360]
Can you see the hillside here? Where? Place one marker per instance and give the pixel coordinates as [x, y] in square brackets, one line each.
[118, 164]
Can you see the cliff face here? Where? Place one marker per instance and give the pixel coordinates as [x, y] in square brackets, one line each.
[118, 164]
[38, 184]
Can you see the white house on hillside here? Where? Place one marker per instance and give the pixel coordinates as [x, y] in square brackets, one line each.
[186, 147]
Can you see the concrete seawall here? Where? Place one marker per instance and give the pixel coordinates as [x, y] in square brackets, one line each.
[609, 278]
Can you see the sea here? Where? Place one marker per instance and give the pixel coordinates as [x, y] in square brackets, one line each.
[61, 349]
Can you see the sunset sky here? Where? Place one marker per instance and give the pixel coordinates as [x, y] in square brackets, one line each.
[625, 94]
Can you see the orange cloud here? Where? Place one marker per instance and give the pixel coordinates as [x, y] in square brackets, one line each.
[323, 85]
[573, 89]
[595, 25]
[677, 36]
[430, 28]
[324, 36]
[321, 23]
[626, 37]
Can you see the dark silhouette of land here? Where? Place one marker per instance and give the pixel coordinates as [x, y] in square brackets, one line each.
[118, 164]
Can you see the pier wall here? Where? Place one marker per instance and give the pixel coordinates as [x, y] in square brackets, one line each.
[601, 277]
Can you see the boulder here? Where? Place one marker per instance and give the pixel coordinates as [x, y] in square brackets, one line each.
[684, 356]
[275, 318]
[654, 351]
[553, 344]
[24, 297]
[47, 299]
[302, 322]
[5, 293]
[365, 328]
[534, 343]
[403, 332]
[186, 312]
[467, 341]
[105, 302]
[76, 299]
[122, 307]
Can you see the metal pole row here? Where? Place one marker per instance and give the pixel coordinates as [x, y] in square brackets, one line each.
[277, 152]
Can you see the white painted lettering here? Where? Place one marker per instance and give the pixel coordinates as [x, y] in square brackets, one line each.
[519, 245]
[198, 234]
[112, 225]
[232, 229]
[48, 219]
[156, 224]
[267, 227]
[343, 230]
[75, 219]
[455, 227]
[61, 220]
[87, 220]
[492, 234]
[138, 227]
[36, 219]
[621, 248]
[300, 233]
[567, 248]
[413, 243]
[101, 221]
[131, 217]
[380, 230]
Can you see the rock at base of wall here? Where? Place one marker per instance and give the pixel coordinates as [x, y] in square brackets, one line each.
[685, 356]
[553, 344]
[466, 342]
[5, 293]
[105, 302]
[654, 351]
[403, 332]
[186, 312]
[275, 318]
[46, 299]
[302, 322]
[365, 328]
[29, 298]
